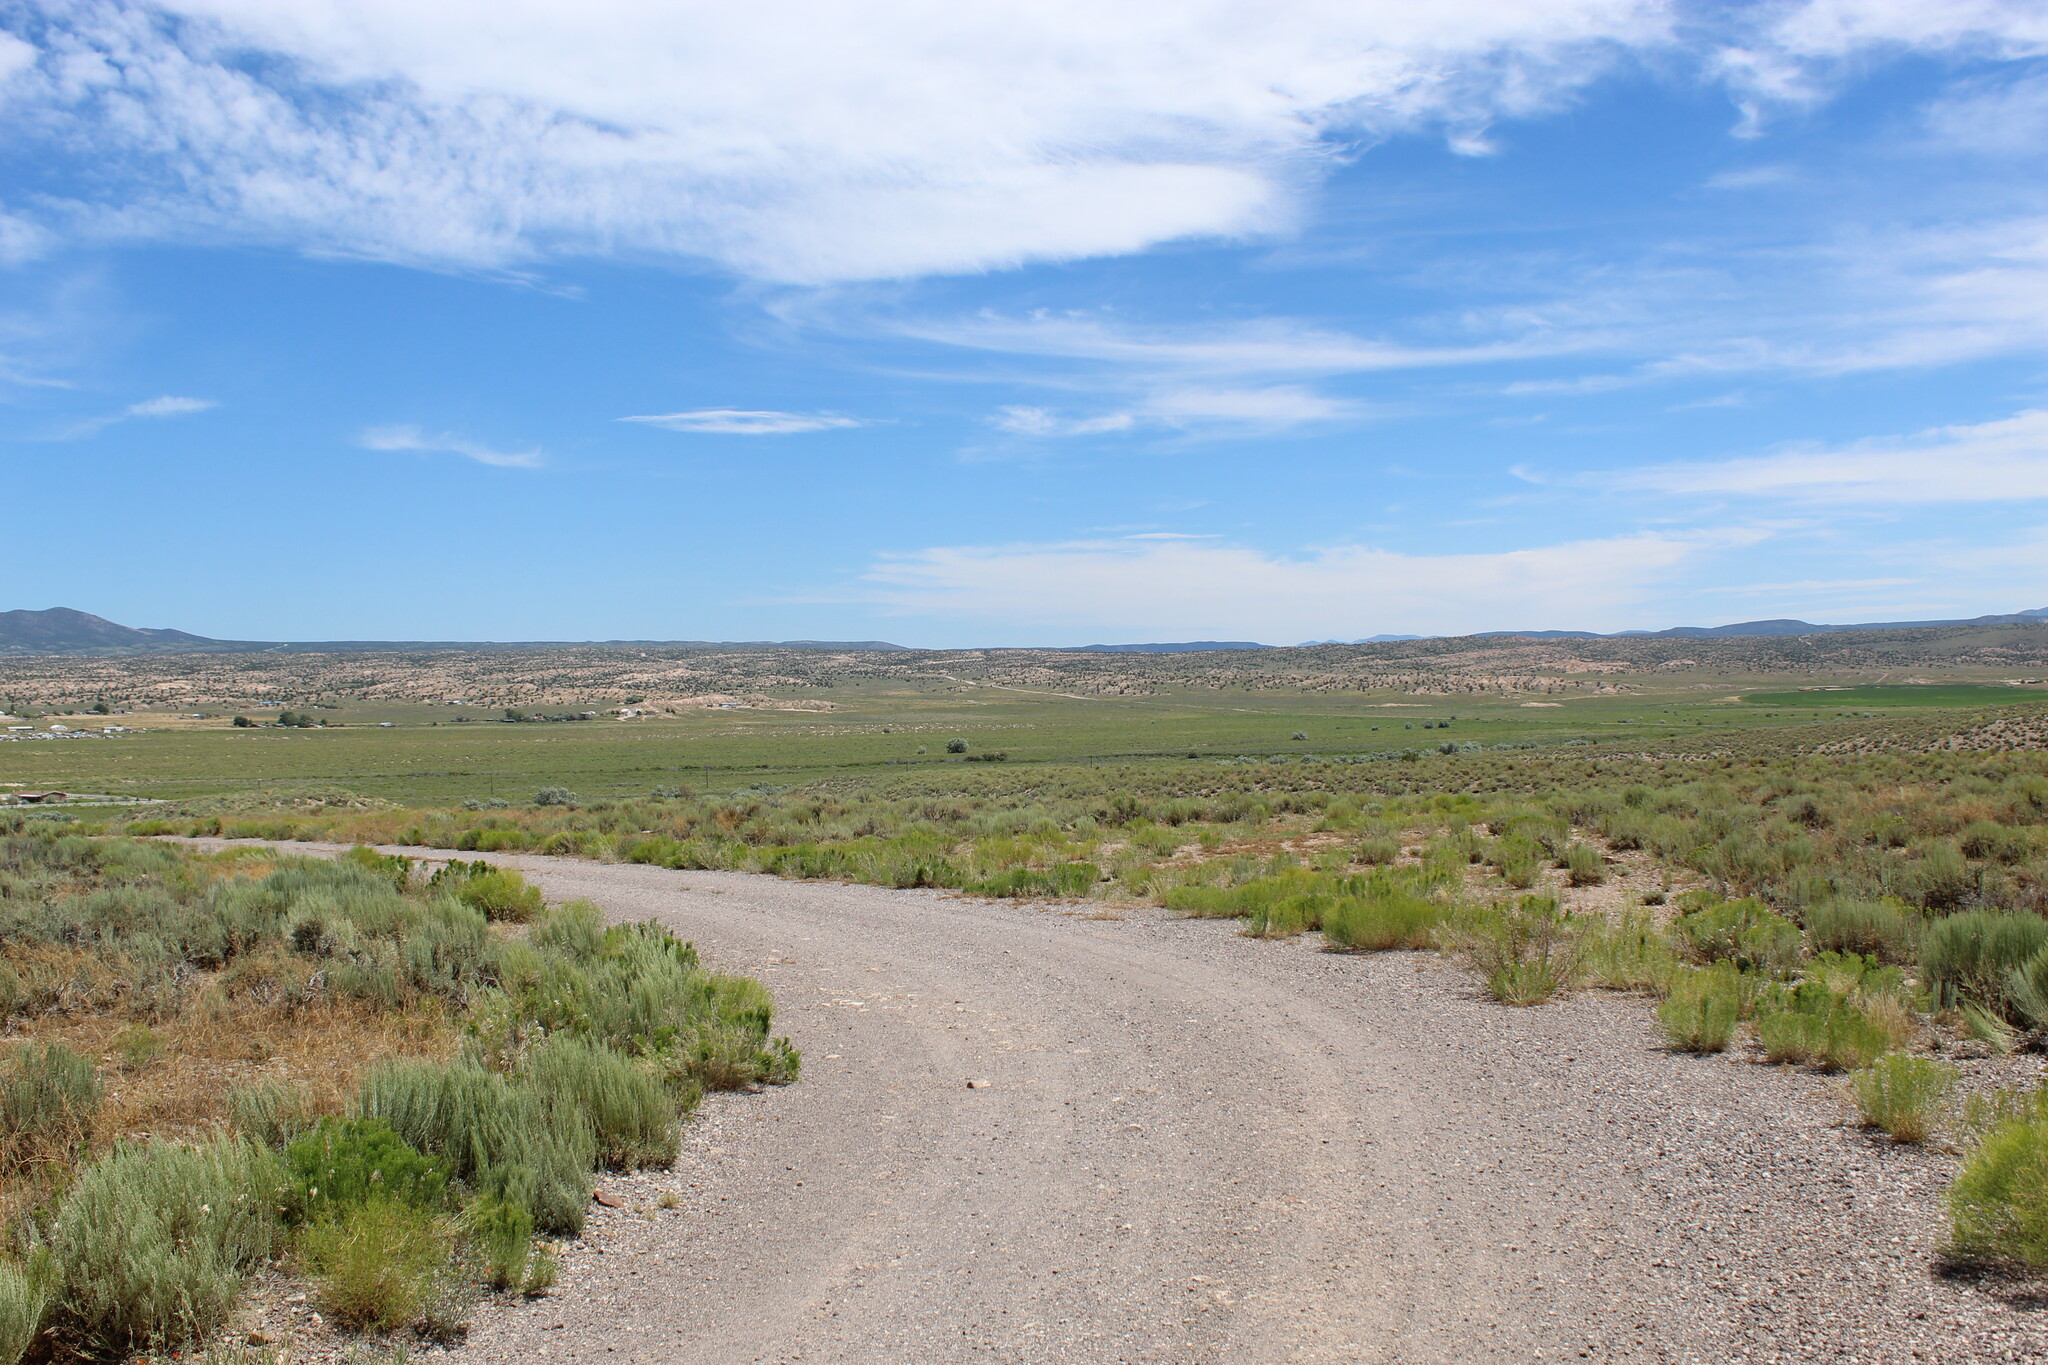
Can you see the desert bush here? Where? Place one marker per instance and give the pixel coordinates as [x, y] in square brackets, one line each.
[1742, 932]
[1380, 915]
[2026, 990]
[1067, 879]
[1632, 954]
[956, 746]
[26, 1288]
[1998, 1205]
[47, 1106]
[632, 1118]
[1792, 1035]
[1904, 1096]
[496, 1137]
[500, 894]
[377, 1263]
[1584, 866]
[1840, 1037]
[345, 1162]
[1968, 958]
[1703, 1008]
[152, 1242]
[1985, 1111]
[501, 1234]
[1882, 929]
[554, 796]
[1377, 850]
[1523, 955]
[269, 1112]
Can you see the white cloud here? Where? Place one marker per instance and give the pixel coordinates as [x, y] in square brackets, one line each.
[1838, 28]
[741, 422]
[805, 141]
[411, 438]
[1184, 588]
[2000, 461]
[169, 406]
[1021, 420]
[1268, 346]
[1235, 411]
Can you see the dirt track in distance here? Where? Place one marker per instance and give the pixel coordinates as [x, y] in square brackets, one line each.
[1184, 1146]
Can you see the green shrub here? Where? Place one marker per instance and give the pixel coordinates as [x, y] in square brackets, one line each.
[495, 1137]
[1524, 955]
[1064, 880]
[1288, 916]
[1968, 958]
[1382, 916]
[152, 1242]
[25, 1293]
[269, 1112]
[1985, 1111]
[501, 1234]
[1743, 932]
[1518, 859]
[1584, 866]
[1703, 1009]
[500, 894]
[1903, 1095]
[2026, 990]
[1632, 954]
[1792, 1036]
[1881, 929]
[1381, 852]
[47, 1106]
[632, 1117]
[1210, 902]
[554, 796]
[377, 1263]
[344, 1162]
[1998, 1205]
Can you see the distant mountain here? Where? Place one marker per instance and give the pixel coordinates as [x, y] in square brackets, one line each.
[60, 630]
[1367, 640]
[1188, 647]
[490, 646]
[1780, 626]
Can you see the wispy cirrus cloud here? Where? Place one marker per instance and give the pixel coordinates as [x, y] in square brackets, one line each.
[1267, 346]
[407, 437]
[169, 405]
[2001, 461]
[746, 422]
[1219, 411]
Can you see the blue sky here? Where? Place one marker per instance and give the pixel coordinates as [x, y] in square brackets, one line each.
[1021, 323]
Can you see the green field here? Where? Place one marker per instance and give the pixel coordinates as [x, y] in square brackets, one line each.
[1829, 700]
[425, 757]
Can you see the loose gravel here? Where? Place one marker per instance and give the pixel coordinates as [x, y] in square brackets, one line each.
[1039, 1134]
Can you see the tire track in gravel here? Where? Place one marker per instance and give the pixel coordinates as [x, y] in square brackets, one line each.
[1190, 1148]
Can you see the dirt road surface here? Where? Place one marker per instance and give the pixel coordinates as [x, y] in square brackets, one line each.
[1028, 1134]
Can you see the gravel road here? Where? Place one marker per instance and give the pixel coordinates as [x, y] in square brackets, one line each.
[1032, 1134]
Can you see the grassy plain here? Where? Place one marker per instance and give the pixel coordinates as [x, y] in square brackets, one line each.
[876, 731]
